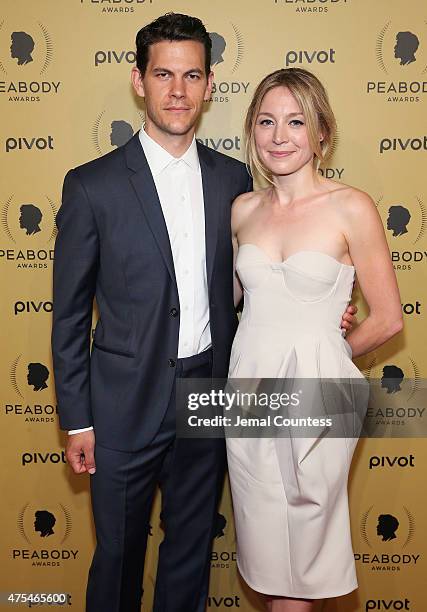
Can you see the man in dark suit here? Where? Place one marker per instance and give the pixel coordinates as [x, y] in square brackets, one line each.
[146, 229]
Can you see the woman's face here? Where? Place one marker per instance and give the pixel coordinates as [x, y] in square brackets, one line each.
[281, 134]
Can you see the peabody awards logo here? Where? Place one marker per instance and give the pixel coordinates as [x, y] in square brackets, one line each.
[393, 399]
[332, 172]
[320, 7]
[29, 230]
[115, 7]
[26, 52]
[46, 530]
[388, 535]
[405, 222]
[223, 555]
[401, 53]
[227, 54]
[32, 383]
[110, 131]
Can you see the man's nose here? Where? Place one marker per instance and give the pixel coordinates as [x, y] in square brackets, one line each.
[177, 88]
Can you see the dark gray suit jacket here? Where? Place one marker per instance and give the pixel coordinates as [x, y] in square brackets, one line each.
[113, 244]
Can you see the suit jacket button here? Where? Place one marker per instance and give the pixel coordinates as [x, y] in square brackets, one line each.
[173, 312]
[171, 363]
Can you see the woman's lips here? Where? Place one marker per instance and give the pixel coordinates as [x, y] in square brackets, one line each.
[280, 154]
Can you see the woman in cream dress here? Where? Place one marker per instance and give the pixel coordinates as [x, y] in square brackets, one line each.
[298, 246]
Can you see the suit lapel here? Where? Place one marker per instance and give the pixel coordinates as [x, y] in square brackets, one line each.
[211, 195]
[146, 193]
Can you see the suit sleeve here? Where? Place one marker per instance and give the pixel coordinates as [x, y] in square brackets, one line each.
[74, 281]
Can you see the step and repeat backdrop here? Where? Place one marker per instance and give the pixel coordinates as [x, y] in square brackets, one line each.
[66, 98]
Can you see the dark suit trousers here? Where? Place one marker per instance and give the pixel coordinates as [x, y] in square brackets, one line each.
[190, 473]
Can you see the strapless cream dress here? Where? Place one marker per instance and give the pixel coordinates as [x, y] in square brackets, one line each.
[290, 494]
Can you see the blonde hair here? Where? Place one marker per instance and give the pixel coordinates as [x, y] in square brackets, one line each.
[313, 100]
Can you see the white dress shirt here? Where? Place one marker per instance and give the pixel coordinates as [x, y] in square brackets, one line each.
[178, 182]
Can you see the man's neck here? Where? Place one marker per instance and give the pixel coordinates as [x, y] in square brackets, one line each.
[176, 145]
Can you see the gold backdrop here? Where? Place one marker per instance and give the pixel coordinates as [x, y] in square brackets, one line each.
[64, 82]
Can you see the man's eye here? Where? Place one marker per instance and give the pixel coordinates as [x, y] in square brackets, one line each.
[194, 77]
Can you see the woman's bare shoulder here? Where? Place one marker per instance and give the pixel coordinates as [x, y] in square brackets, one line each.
[245, 203]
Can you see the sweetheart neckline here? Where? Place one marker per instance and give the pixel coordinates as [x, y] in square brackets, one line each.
[279, 263]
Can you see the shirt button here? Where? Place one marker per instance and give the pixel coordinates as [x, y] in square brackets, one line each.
[171, 363]
[173, 312]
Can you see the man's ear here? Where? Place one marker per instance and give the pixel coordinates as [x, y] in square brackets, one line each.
[137, 82]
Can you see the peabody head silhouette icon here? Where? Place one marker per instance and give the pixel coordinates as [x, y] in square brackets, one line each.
[220, 523]
[21, 48]
[391, 379]
[406, 47]
[398, 219]
[30, 218]
[44, 523]
[387, 527]
[121, 133]
[37, 376]
[218, 48]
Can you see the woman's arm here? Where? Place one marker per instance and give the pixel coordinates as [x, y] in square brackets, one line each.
[375, 274]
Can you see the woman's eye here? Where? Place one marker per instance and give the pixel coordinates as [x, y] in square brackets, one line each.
[266, 122]
[296, 122]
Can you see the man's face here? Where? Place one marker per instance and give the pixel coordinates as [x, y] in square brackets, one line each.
[174, 86]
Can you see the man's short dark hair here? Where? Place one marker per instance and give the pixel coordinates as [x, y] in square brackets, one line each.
[172, 26]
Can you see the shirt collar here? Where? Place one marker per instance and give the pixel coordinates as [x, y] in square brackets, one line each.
[158, 158]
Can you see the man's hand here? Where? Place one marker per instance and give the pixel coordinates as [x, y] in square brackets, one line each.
[80, 452]
[349, 318]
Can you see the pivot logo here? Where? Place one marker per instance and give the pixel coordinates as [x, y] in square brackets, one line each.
[310, 57]
[386, 461]
[222, 144]
[227, 55]
[113, 57]
[30, 380]
[31, 306]
[232, 601]
[28, 56]
[116, 7]
[311, 6]
[402, 57]
[43, 458]
[44, 528]
[22, 143]
[388, 537]
[410, 308]
[405, 221]
[110, 131]
[403, 144]
[29, 224]
[388, 604]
